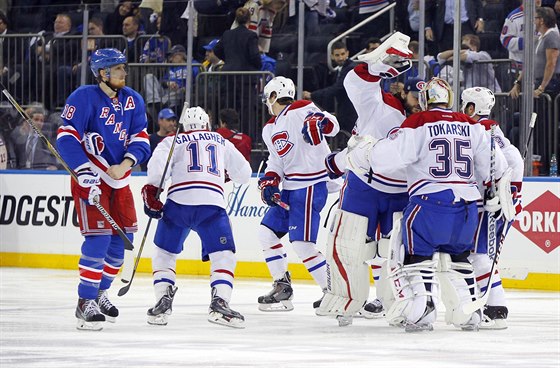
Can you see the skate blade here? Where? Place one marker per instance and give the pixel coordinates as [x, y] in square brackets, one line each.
[473, 328]
[496, 324]
[88, 326]
[414, 327]
[158, 320]
[344, 321]
[283, 306]
[369, 315]
[321, 313]
[110, 319]
[218, 318]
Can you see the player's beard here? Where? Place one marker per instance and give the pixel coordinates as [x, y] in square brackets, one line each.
[117, 83]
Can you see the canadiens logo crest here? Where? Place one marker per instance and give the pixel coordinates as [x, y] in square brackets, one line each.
[281, 143]
[393, 133]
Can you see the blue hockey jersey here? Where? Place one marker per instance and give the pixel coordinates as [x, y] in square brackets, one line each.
[120, 122]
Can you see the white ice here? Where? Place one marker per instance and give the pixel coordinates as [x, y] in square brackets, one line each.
[37, 329]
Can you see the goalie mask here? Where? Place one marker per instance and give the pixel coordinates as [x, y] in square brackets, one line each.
[195, 118]
[482, 98]
[282, 87]
[436, 91]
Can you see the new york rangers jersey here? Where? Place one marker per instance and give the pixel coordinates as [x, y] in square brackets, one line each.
[198, 167]
[379, 115]
[120, 123]
[440, 150]
[512, 34]
[298, 163]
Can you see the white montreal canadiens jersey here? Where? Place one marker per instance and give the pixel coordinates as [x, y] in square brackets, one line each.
[441, 150]
[380, 114]
[198, 167]
[298, 163]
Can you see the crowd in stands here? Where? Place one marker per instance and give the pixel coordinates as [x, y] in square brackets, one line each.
[256, 35]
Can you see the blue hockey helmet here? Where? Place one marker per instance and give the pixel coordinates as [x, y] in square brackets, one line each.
[105, 59]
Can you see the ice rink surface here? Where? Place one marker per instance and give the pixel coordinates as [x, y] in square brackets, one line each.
[37, 329]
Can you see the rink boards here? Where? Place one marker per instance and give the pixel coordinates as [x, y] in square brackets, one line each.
[38, 228]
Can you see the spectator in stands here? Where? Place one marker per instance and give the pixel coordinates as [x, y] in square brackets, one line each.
[31, 152]
[167, 124]
[114, 21]
[372, 44]
[171, 91]
[315, 9]
[211, 62]
[474, 74]
[10, 58]
[262, 19]
[95, 29]
[557, 11]
[238, 47]
[345, 112]
[547, 54]
[155, 49]
[149, 12]
[512, 35]
[440, 18]
[130, 30]
[59, 55]
[229, 129]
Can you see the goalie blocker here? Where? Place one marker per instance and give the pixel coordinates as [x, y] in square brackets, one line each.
[347, 268]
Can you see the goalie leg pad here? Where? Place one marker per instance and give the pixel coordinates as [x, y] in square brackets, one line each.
[347, 270]
[458, 287]
[415, 292]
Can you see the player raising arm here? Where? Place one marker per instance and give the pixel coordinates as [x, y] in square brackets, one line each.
[103, 135]
[477, 102]
[443, 153]
[198, 169]
[296, 161]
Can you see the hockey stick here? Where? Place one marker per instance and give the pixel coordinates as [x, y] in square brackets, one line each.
[479, 303]
[103, 211]
[274, 199]
[531, 126]
[126, 269]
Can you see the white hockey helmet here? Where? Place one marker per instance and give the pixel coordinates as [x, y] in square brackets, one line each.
[482, 98]
[436, 91]
[282, 86]
[194, 118]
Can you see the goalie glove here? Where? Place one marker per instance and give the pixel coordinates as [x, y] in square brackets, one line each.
[391, 58]
[313, 128]
[88, 185]
[152, 206]
[268, 185]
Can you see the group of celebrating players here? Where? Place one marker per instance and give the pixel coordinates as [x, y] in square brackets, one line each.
[425, 198]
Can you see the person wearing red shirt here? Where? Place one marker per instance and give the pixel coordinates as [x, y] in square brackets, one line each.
[229, 125]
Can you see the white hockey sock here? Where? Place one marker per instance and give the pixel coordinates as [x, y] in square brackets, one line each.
[274, 253]
[482, 265]
[163, 266]
[221, 273]
[313, 260]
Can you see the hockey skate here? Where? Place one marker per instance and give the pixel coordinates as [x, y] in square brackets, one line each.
[494, 318]
[473, 324]
[159, 314]
[371, 310]
[106, 307]
[89, 316]
[220, 313]
[418, 326]
[279, 299]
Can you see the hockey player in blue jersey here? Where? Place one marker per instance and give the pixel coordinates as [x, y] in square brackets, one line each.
[103, 135]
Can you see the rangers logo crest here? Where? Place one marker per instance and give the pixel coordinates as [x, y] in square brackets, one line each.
[281, 143]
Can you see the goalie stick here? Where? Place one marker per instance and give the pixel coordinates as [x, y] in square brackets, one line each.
[127, 274]
[127, 243]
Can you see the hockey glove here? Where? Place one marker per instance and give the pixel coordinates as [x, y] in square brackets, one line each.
[332, 169]
[313, 127]
[492, 203]
[88, 185]
[152, 206]
[268, 185]
[93, 143]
